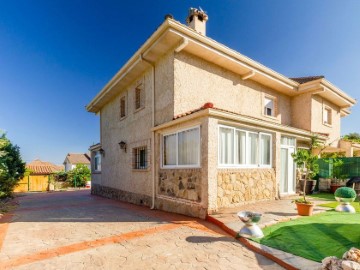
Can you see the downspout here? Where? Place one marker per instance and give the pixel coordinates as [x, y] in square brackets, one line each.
[152, 132]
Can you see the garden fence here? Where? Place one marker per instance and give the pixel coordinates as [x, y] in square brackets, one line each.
[350, 167]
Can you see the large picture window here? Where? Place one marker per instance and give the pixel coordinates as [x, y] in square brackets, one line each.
[242, 148]
[182, 149]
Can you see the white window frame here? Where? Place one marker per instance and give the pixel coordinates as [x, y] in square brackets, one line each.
[97, 155]
[264, 107]
[163, 166]
[328, 113]
[247, 155]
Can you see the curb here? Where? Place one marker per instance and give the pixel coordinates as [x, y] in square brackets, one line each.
[249, 245]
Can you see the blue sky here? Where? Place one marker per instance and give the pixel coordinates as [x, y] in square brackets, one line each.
[56, 55]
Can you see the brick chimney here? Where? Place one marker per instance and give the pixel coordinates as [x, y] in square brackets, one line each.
[197, 20]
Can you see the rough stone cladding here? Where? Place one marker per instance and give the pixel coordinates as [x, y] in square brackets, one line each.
[121, 195]
[183, 184]
[236, 187]
[198, 81]
[183, 190]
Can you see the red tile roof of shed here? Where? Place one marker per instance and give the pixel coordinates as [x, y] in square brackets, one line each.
[43, 167]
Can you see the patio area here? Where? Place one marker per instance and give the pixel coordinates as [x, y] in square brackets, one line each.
[272, 212]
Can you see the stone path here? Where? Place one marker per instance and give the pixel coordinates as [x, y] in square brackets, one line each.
[74, 230]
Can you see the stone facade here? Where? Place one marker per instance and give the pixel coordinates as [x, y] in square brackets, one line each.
[236, 187]
[180, 183]
[121, 195]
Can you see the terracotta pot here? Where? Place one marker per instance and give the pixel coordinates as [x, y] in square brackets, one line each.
[334, 187]
[310, 186]
[304, 209]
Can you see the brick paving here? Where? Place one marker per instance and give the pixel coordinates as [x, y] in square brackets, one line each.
[74, 230]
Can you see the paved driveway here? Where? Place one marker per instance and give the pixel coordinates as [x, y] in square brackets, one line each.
[74, 230]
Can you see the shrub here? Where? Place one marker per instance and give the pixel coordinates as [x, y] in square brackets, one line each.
[78, 176]
[345, 192]
[12, 168]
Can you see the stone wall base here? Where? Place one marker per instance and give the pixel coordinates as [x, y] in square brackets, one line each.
[180, 207]
[120, 195]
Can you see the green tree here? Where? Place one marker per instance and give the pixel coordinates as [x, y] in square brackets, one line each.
[307, 162]
[12, 168]
[353, 137]
[79, 175]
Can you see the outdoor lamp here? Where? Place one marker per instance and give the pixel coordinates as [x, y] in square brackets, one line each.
[123, 145]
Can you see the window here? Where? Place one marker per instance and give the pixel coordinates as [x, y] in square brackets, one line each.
[241, 148]
[182, 149]
[327, 116]
[269, 106]
[122, 107]
[140, 160]
[139, 97]
[97, 162]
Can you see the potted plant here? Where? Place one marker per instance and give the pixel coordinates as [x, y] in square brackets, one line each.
[345, 196]
[337, 179]
[309, 168]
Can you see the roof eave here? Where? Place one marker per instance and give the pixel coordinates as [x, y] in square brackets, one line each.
[260, 71]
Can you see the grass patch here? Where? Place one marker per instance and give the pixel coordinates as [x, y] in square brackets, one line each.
[323, 196]
[316, 237]
[356, 205]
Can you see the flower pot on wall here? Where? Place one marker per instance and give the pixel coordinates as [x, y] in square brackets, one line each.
[310, 186]
[304, 209]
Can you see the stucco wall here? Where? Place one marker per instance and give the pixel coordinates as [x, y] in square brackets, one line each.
[164, 85]
[301, 111]
[236, 187]
[317, 125]
[135, 128]
[197, 82]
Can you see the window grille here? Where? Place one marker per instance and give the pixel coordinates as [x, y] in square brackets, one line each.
[122, 107]
[140, 160]
[138, 91]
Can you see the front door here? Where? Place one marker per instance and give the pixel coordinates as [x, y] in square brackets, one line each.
[287, 171]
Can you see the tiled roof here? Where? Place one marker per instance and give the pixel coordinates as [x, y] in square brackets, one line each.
[211, 106]
[78, 158]
[307, 79]
[43, 167]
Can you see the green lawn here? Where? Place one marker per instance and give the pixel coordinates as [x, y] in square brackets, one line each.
[322, 196]
[330, 197]
[316, 237]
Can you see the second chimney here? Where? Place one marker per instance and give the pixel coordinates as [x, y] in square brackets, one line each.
[197, 20]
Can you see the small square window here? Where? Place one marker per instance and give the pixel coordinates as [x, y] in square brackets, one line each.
[327, 116]
[122, 107]
[140, 158]
[269, 106]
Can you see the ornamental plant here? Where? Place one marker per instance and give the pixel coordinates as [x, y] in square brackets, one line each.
[12, 168]
[345, 192]
[307, 162]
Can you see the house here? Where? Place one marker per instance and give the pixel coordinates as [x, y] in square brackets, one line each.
[72, 159]
[38, 177]
[189, 125]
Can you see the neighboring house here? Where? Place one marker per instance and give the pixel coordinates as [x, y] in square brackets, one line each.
[190, 126]
[72, 159]
[38, 179]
